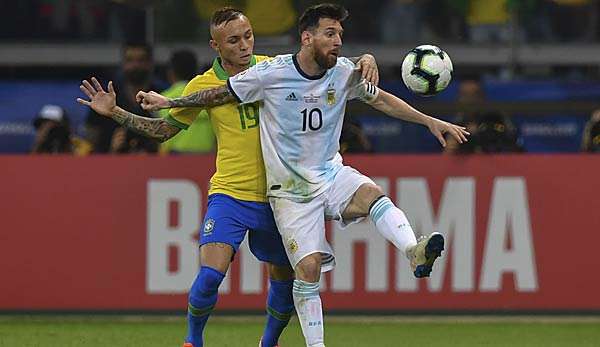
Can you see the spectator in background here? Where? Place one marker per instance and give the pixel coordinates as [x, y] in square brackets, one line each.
[572, 20]
[591, 134]
[71, 19]
[268, 17]
[199, 137]
[495, 133]
[491, 132]
[401, 21]
[137, 67]
[12, 25]
[470, 94]
[271, 17]
[534, 18]
[446, 19]
[488, 20]
[53, 133]
[353, 139]
[128, 19]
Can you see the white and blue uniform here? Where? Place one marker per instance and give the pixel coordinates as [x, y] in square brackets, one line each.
[300, 125]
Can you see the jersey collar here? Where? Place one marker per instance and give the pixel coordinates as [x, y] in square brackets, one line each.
[220, 71]
[316, 77]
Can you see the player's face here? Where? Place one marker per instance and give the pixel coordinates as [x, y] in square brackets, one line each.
[234, 41]
[327, 42]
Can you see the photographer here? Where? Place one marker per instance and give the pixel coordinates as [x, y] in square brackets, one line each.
[53, 133]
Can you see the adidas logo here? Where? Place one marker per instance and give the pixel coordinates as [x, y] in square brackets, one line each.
[291, 97]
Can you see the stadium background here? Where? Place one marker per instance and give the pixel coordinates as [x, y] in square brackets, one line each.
[115, 233]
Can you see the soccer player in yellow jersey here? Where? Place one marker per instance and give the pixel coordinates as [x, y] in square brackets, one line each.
[237, 201]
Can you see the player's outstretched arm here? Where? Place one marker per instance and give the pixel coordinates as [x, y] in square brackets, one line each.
[398, 108]
[105, 103]
[152, 101]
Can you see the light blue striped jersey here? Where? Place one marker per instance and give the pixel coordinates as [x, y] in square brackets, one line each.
[300, 121]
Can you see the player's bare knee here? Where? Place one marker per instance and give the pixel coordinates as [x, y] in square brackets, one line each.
[281, 273]
[362, 200]
[371, 192]
[309, 268]
[216, 255]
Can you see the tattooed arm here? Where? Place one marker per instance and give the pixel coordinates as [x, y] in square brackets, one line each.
[104, 103]
[152, 101]
[154, 128]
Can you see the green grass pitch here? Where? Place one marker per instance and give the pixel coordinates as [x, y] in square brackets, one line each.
[340, 331]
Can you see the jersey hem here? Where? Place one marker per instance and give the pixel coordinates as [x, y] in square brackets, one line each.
[239, 196]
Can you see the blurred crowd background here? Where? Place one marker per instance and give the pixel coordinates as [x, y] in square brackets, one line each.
[527, 72]
[383, 21]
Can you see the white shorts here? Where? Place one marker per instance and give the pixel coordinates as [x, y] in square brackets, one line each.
[302, 224]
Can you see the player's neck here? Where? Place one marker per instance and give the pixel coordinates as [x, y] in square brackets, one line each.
[308, 64]
[232, 69]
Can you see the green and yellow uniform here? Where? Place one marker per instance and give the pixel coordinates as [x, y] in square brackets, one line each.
[198, 138]
[240, 168]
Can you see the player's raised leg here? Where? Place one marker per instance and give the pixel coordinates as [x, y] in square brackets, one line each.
[392, 223]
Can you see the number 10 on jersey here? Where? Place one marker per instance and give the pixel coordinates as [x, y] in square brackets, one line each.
[312, 120]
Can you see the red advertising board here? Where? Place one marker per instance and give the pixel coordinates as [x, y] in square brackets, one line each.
[118, 233]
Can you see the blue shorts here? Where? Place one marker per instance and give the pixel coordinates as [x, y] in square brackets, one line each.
[227, 220]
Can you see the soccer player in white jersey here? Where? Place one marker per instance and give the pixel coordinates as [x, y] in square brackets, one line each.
[303, 102]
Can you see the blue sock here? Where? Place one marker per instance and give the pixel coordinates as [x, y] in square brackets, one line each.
[280, 307]
[202, 300]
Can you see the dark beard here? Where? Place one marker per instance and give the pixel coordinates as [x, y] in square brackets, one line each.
[323, 61]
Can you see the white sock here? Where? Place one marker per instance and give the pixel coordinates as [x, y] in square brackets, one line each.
[392, 223]
[310, 312]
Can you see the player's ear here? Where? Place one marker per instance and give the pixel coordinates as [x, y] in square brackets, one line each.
[306, 38]
[214, 45]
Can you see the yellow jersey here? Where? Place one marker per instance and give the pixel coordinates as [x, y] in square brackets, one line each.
[240, 168]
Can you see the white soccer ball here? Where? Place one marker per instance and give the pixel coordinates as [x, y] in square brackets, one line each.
[427, 70]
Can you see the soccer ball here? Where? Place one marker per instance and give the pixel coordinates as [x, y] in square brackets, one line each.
[426, 70]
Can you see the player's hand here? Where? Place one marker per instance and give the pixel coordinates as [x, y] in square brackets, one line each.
[368, 68]
[100, 101]
[152, 101]
[438, 128]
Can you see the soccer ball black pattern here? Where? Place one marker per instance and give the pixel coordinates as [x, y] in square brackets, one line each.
[426, 70]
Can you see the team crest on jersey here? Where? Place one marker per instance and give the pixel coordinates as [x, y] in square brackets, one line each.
[293, 246]
[209, 226]
[330, 95]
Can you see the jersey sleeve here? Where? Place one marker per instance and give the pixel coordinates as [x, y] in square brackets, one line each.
[247, 86]
[360, 88]
[183, 117]
[365, 91]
